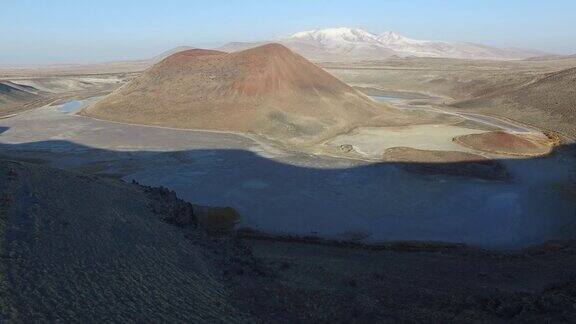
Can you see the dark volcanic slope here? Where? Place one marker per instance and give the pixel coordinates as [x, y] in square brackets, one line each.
[77, 248]
[548, 101]
[267, 90]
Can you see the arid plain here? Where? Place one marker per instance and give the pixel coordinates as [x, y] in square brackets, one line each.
[412, 132]
[428, 163]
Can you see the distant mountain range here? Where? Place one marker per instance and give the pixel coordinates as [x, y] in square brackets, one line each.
[358, 44]
[552, 57]
[331, 44]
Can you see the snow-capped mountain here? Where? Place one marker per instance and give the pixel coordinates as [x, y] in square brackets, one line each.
[332, 36]
[337, 43]
[358, 44]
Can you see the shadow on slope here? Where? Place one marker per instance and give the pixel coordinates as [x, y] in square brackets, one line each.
[79, 248]
[346, 200]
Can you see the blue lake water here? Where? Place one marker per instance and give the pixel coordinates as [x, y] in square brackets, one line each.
[70, 106]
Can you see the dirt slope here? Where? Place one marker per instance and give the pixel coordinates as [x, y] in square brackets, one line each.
[12, 94]
[548, 101]
[77, 248]
[267, 90]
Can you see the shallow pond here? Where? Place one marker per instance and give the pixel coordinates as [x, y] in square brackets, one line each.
[385, 98]
[70, 106]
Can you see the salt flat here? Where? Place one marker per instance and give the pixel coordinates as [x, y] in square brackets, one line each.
[372, 142]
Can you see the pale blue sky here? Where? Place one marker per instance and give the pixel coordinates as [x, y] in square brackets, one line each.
[59, 31]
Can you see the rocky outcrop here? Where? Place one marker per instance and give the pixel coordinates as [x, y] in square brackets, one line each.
[181, 213]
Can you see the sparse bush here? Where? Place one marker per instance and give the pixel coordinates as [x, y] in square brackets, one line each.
[217, 218]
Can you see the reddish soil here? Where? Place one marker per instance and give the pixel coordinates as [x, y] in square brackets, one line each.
[185, 56]
[504, 143]
[267, 90]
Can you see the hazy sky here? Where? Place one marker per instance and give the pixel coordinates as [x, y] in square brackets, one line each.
[59, 31]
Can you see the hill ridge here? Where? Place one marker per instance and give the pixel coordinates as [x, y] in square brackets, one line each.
[268, 90]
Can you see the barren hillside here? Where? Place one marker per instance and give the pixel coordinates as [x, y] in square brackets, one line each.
[12, 95]
[77, 248]
[267, 90]
[547, 101]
